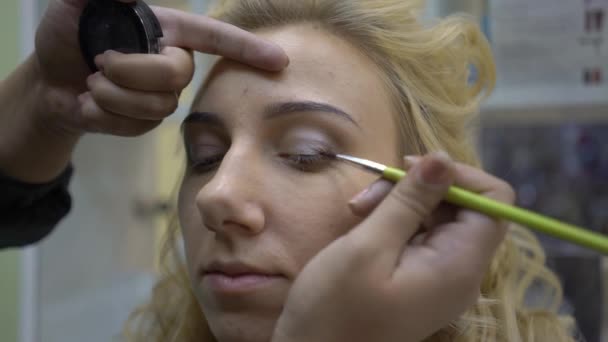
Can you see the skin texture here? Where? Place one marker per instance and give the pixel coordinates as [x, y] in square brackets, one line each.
[355, 264]
[258, 207]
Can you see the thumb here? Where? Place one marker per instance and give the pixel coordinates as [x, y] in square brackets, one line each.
[397, 218]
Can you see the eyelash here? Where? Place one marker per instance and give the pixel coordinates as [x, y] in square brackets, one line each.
[206, 164]
[304, 162]
[308, 161]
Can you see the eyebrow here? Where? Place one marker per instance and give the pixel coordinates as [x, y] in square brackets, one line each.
[284, 108]
[209, 118]
[276, 110]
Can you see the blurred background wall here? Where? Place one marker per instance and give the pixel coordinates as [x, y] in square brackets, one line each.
[9, 260]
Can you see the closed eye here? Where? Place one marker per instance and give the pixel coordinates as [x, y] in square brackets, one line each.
[307, 162]
[206, 164]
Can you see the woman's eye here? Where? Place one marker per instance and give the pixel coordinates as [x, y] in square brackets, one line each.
[206, 164]
[203, 156]
[306, 162]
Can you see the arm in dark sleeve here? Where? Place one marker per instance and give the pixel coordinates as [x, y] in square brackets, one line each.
[29, 212]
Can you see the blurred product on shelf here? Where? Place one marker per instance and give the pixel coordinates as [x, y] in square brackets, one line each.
[561, 170]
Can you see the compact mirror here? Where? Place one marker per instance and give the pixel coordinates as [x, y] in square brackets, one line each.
[112, 25]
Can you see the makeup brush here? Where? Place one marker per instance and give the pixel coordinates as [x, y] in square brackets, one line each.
[496, 209]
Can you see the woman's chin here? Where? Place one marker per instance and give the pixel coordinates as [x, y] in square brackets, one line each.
[242, 327]
[244, 316]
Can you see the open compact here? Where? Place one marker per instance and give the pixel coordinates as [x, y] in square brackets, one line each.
[124, 27]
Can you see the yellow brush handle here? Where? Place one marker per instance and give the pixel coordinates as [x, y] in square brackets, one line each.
[543, 224]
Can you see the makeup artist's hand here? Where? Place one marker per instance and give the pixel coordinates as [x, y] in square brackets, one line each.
[133, 93]
[382, 281]
[52, 98]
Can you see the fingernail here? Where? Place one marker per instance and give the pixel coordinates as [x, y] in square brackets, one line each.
[99, 61]
[287, 61]
[434, 170]
[82, 98]
[372, 193]
[442, 155]
[410, 161]
[91, 78]
[359, 196]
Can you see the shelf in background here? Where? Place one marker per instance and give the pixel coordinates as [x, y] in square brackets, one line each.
[547, 104]
[540, 97]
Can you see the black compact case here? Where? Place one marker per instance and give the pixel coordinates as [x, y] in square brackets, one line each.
[124, 27]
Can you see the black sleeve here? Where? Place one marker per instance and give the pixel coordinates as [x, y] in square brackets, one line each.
[29, 212]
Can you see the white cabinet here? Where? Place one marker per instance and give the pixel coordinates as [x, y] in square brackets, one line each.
[99, 263]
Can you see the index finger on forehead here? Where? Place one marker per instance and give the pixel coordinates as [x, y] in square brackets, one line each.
[208, 35]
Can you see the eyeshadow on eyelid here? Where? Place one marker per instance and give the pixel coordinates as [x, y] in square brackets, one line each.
[306, 149]
[203, 134]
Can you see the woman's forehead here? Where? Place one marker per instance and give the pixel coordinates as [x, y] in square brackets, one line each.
[322, 68]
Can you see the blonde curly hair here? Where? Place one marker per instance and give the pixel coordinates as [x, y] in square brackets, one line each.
[427, 70]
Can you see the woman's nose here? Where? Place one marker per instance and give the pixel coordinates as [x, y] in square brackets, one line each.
[230, 202]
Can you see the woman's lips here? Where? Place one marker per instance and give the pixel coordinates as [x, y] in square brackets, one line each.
[237, 277]
[241, 283]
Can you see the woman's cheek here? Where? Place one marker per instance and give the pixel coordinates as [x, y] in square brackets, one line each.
[309, 226]
[190, 220]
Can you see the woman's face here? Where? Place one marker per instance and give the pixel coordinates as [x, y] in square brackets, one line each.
[253, 206]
